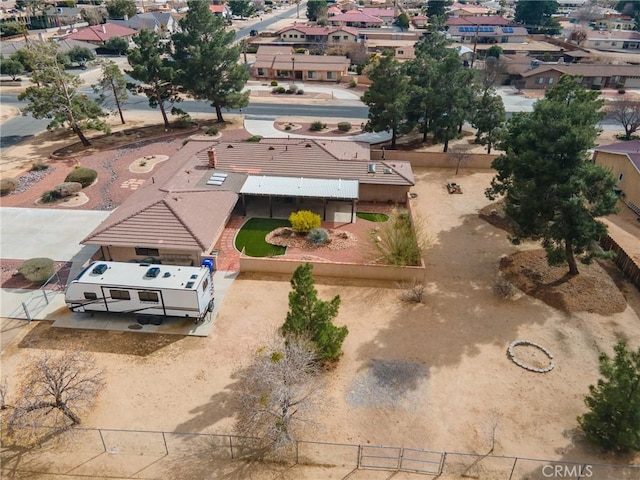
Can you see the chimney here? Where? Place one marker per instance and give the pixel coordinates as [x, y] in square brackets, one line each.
[213, 158]
[104, 29]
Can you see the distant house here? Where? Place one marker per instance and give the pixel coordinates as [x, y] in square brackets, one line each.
[618, 40]
[356, 18]
[484, 21]
[615, 23]
[592, 76]
[280, 63]
[63, 15]
[387, 15]
[623, 159]
[221, 10]
[315, 35]
[488, 34]
[333, 10]
[178, 217]
[402, 43]
[99, 34]
[463, 10]
[64, 44]
[160, 22]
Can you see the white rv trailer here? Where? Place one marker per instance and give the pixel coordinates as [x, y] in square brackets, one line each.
[143, 289]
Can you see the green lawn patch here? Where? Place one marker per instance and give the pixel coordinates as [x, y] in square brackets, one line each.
[373, 217]
[251, 237]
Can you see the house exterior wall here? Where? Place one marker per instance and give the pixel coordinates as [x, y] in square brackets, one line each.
[620, 165]
[612, 44]
[543, 81]
[301, 74]
[166, 256]
[383, 193]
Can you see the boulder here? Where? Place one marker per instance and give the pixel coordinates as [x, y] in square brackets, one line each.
[67, 189]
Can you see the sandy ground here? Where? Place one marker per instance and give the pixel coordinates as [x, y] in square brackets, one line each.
[462, 385]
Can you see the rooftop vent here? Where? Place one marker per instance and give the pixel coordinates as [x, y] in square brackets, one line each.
[229, 146]
[99, 269]
[308, 145]
[194, 276]
[153, 272]
[189, 285]
[371, 168]
[388, 170]
[271, 148]
[166, 274]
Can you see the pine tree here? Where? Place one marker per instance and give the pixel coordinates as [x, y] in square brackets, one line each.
[111, 85]
[613, 420]
[309, 316]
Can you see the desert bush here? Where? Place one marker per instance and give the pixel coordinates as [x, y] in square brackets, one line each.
[317, 126]
[303, 221]
[38, 166]
[399, 242]
[344, 126]
[82, 175]
[212, 131]
[274, 83]
[50, 196]
[352, 83]
[318, 236]
[8, 185]
[503, 287]
[37, 270]
[287, 127]
[413, 292]
[275, 90]
[292, 88]
[67, 189]
[254, 138]
[300, 92]
[184, 121]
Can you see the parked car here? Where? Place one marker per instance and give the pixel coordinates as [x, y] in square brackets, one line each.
[253, 33]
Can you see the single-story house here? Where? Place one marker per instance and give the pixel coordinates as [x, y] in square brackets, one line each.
[317, 36]
[333, 10]
[223, 10]
[463, 10]
[65, 44]
[160, 22]
[593, 76]
[280, 63]
[615, 23]
[617, 40]
[402, 43]
[623, 159]
[484, 21]
[420, 21]
[63, 15]
[99, 34]
[488, 34]
[387, 15]
[178, 215]
[356, 18]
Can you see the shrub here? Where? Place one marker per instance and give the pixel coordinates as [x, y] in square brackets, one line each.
[292, 88]
[352, 83]
[300, 50]
[37, 270]
[275, 90]
[412, 292]
[82, 175]
[255, 138]
[213, 131]
[303, 221]
[317, 126]
[184, 121]
[8, 185]
[281, 90]
[399, 242]
[318, 236]
[38, 166]
[274, 83]
[344, 126]
[621, 91]
[67, 189]
[287, 127]
[50, 196]
[503, 288]
[300, 92]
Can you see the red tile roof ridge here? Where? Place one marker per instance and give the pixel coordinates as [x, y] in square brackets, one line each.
[182, 222]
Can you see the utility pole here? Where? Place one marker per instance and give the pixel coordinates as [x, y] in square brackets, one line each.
[475, 44]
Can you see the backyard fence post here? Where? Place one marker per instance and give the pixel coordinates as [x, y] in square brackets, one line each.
[515, 460]
[26, 311]
[166, 449]
[231, 446]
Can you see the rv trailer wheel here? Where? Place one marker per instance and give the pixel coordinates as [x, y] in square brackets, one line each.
[210, 307]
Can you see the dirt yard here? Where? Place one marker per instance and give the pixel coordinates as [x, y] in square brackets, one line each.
[433, 376]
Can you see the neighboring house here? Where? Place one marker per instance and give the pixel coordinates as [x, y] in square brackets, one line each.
[315, 35]
[160, 22]
[488, 34]
[65, 44]
[222, 10]
[63, 15]
[387, 15]
[462, 10]
[593, 76]
[484, 21]
[623, 159]
[615, 23]
[333, 10]
[280, 63]
[618, 40]
[99, 34]
[178, 216]
[420, 21]
[356, 18]
[402, 43]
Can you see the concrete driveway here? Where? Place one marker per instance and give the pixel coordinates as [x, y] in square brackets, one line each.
[35, 232]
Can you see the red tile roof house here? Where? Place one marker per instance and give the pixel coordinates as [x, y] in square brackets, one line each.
[356, 18]
[99, 34]
[387, 15]
[594, 76]
[179, 214]
[317, 36]
[280, 63]
[221, 10]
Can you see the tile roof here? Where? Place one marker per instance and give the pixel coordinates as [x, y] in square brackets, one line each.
[355, 16]
[379, 12]
[102, 33]
[303, 62]
[480, 20]
[318, 30]
[584, 69]
[631, 149]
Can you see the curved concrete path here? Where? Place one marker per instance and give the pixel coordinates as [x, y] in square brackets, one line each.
[265, 128]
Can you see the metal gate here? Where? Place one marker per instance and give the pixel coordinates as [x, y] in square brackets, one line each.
[400, 459]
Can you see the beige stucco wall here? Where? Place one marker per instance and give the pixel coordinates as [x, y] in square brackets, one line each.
[435, 159]
[167, 256]
[383, 193]
[620, 164]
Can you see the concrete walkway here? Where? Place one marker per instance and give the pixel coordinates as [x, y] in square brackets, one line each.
[336, 93]
[266, 128]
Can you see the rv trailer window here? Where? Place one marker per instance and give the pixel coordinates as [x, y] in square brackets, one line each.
[148, 297]
[90, 296]
[205, 284]
[120, 295]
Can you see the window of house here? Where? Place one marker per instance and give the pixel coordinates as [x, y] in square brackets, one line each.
[90, 296]
[539, 80]
[302, 35]
[550, 80]
[282, 73]
[148, 296]
[597, 44]
[400, 52]
[331, 75]
[295, 36]
[345, 37]
[147, 252]
[614, 44]
[336, 38]
[311, 74]
[120, 294]
[261, 71]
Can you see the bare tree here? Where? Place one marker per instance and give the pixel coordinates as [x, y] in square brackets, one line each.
[460, 155]
[627, 113]
[277, 389]
[588, 12]
[578, 36]
[53, 392]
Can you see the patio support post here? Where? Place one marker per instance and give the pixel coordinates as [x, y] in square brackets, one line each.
[270, 207]
[244, 204]
[324, 209]
[353, 210]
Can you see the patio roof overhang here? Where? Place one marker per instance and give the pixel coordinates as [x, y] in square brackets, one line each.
[327, 188]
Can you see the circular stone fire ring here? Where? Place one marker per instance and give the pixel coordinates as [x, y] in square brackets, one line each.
[518, 361]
